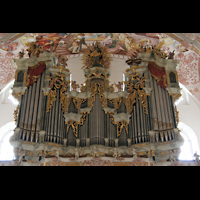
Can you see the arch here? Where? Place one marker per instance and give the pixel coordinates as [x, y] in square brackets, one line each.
[5, 147]
[190, 145]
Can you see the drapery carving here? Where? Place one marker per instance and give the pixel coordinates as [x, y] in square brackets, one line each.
[158, 73]
[34, 73]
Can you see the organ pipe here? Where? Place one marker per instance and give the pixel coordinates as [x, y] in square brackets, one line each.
[153, 105]
[40, 105]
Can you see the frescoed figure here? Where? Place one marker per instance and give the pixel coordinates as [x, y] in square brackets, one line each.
[11, 47]
[76, 45]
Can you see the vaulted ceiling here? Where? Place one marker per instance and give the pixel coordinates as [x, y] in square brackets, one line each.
[186, 47]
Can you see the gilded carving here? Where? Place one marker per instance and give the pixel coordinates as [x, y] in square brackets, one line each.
[51, 98]
[120, 126]
[116, 101]
[175, 96]
[74, 125]
[135, 83]
[57, 82]
[30, 153]
[177, 115]
[16, 113]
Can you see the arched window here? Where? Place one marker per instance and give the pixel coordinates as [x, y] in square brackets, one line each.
[20, 76]
[172, 77]
[6, 149]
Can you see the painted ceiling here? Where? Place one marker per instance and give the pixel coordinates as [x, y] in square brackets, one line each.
[186, 47]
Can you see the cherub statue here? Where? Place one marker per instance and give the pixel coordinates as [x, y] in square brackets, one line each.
[119, 85]
[172, 159]
[196, 157]
[76, 153]
[56, 153]
[74, 85]
[171, 55]
[115, 153]
[21, 156]
[95, 151]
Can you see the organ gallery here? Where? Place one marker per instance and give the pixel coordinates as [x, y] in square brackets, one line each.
[133, 122]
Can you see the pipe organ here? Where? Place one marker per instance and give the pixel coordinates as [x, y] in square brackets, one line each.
[51, 116]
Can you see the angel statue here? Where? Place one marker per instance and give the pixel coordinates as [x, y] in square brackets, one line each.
[76, 153]
[119, 86]
[95, 151]
[56, 153]
[21, 157]
[196, 157]
[115, 153]
[172, 159]
[74, 85]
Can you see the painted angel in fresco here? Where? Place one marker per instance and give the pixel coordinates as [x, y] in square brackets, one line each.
[113, 45]
[11, 47]
[76, 45]
[49, 44]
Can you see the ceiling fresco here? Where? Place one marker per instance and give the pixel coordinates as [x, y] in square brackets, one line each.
[186, 47]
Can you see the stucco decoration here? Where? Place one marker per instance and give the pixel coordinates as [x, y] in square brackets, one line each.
[186, 46]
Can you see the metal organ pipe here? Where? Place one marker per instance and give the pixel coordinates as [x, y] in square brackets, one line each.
[24, 105]
[169, 109]
[153, 105]
[135, 124]
[56, 118]
[30, 116]
[141, 120]
[35, 111]
[27, 111]
[52, 121]
[157, 100]
[138, 117]
[166, 114]
[161, 104]
[49, 125]
[20, 110]
[60, 124]
[40, 105]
